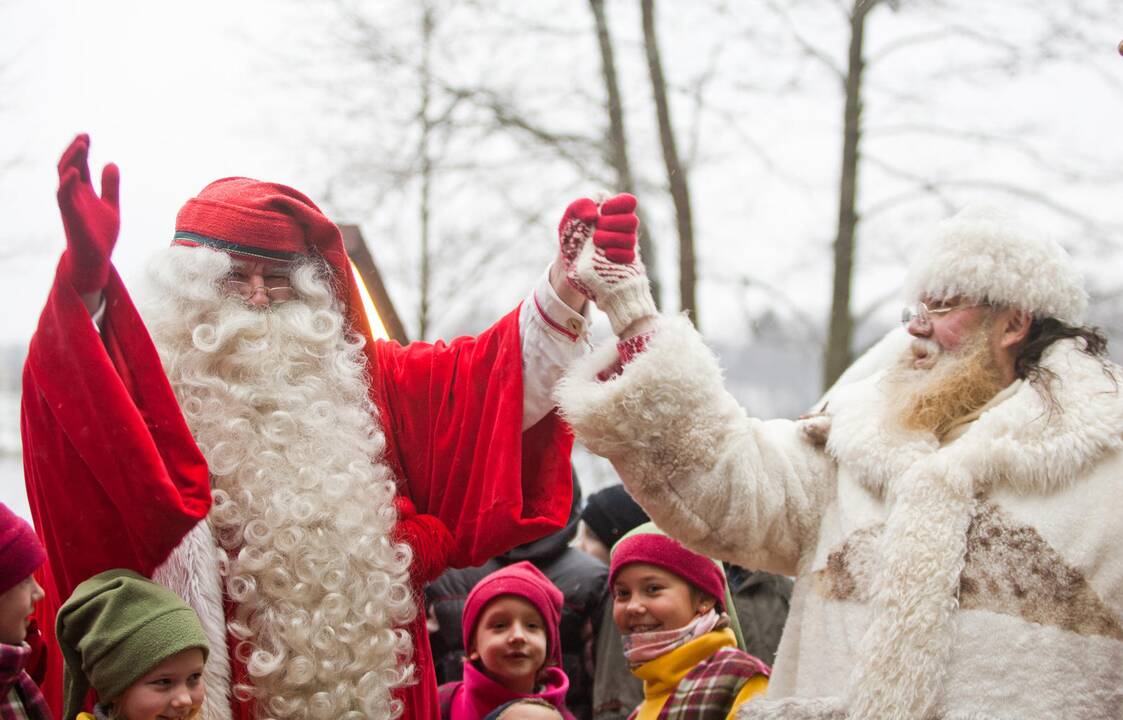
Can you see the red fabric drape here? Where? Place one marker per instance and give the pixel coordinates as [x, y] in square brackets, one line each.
[115, 479]
[452, 414]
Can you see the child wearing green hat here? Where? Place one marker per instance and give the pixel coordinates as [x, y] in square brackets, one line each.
[136, 644]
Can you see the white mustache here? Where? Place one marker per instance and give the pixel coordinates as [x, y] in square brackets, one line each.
[925, 352]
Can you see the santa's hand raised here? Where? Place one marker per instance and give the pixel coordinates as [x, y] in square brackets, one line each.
[91, 222]
[601, 260]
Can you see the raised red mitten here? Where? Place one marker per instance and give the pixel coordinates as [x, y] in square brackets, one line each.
[91, 223]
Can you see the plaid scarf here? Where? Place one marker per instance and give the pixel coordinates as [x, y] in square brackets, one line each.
[20, 698]
[640, 648]
[708, 691]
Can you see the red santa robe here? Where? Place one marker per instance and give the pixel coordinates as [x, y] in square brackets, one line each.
[115, 479]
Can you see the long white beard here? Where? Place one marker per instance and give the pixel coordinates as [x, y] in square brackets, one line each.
[277, 400]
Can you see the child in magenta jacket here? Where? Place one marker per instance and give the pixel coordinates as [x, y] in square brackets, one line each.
[511, 636]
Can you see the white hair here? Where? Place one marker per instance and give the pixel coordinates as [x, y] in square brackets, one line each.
[277, 400]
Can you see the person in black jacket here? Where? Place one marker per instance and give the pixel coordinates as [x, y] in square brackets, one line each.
[608, 515]
[581, 578]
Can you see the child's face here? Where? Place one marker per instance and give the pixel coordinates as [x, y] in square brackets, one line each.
[646, 598]
[172, 689]
[16, 604]
[510, 642]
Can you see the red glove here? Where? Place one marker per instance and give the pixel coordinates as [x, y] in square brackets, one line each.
[607, 270]
[91, 223]
[427, 536]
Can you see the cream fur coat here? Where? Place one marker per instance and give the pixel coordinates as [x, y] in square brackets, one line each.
[979, 579]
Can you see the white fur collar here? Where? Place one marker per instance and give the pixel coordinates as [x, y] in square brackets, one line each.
[1021, 442]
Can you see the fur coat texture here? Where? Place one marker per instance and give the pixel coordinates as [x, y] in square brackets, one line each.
[979, 579]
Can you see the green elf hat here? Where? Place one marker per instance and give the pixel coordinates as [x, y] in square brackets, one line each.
[648, 544]
[116, 627]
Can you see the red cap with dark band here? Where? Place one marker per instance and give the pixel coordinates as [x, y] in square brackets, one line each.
[273, 222]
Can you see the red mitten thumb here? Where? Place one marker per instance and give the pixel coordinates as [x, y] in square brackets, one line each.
[427, 536]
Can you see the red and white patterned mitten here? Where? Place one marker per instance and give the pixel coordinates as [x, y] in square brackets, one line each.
[598, 248]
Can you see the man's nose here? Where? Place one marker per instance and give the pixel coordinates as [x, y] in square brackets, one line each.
[258, 297]
[919, 327]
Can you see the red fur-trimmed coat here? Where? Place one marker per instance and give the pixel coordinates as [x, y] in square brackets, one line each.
[105, 445]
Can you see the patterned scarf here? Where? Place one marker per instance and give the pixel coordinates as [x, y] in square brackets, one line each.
[20, 698]
[640, 648]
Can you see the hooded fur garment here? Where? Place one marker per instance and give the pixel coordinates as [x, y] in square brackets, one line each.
[978, 579]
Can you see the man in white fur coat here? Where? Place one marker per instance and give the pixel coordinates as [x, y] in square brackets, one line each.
[955, 540]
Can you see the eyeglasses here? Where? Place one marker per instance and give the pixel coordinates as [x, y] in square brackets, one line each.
[246, 290]
[924, 314]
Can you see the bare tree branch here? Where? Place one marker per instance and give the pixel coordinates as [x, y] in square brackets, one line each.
[809, 48]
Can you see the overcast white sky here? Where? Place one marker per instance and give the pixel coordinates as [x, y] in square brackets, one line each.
[179, 94]
[166, 90]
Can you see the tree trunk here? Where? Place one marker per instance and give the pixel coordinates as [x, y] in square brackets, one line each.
[426, 170]
[617, 141]
[676, 175]
[840, 337]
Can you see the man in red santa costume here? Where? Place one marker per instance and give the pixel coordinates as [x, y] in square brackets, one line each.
[336, 474]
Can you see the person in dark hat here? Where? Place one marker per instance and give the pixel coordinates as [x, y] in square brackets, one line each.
[335, 473]
[609, 514]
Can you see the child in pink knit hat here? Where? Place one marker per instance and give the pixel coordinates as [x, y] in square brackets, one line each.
[20, 555]
[514, 650]
[671, 606]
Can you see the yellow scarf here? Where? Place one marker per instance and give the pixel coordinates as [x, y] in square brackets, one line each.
[662, 675]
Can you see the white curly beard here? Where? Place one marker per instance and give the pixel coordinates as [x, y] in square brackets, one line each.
[277, 401]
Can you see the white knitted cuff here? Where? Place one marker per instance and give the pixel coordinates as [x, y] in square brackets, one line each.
[626, 302]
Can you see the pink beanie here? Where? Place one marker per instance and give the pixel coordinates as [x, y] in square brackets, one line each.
[527, 582]
[21, 553]
[656, 549]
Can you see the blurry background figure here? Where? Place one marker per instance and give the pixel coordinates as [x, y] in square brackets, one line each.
[581, 578]
[761, 600]
[607, 517]
[609, 514]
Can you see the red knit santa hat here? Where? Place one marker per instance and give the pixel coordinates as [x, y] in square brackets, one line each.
[21, 553]
[527, 582]
[272, 222]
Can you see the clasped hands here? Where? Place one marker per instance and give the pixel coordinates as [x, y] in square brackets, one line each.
[598, 255]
